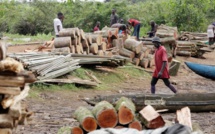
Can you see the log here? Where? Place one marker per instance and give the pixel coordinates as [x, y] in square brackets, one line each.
[151, 60]
[108, 53]
[6, 121]
[15, 111]
[105, 114]
[136, 125]
[140, 56]
[61, 50]
[174, 67]
[100, 53]
[10, 90]
[146, 51]
[183, 53]
[12, 81]
[72, 49]
[183, 117]
[133, 45]
[62, 42]
[84, 43]
[94, 48]
[67, 32]
[82, 34]
[76, 130]
[127, 53]
[103, 46]
[75, 41]
[5, 131]
[89, 38]
[168, 40]
[117, 43]
[136, 61]
[86, 119]
[150, 118]
[109, 32]
[126, 110]
[167, 31]
[9, 64]
[78, 49]
[96, 39]
[148, 43]
[144, 62]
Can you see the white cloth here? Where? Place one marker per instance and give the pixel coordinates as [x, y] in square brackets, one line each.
[210, 33]
[57, 22]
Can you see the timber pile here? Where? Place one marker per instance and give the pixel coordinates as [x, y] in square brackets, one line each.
[123, 114]
[191, 36]
[13, 89]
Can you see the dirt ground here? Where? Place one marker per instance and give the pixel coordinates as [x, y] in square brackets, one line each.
[54, 110]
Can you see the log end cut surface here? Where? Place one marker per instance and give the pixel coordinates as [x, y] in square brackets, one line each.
[125, 115]
[136, 125]
[76, 130]
[89, 124]
[108, 118]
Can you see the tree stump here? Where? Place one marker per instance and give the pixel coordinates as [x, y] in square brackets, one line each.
[62, 42]
[126, 53]
[94, 48]
[144, 62]
[150, 118]
[86, 119]
[105, 114]
[126, 110]
[133, 45]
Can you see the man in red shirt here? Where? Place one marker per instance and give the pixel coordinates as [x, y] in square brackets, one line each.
[136, 25]
[96, 28]
[161, 64]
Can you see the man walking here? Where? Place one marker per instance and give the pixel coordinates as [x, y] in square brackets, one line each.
[161, 64]
[58, 23]
[114, 17]
[136, 25]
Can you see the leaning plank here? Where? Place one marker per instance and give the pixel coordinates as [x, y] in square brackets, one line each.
[183, 117]
[13, 100]
[86, 119]
[126, 110]
[105, 114]
[10, 90]
[12, 81]
[76, 130]
[133, 45]
[151, 118]
[69, 81]
[6, 121]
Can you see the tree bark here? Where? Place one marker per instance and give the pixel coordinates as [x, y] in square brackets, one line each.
[150, 118]
[127, 53]
[86, 119]
[62, 42]
[94, 48]
[126, 110]
[133, 45]
[105, 114]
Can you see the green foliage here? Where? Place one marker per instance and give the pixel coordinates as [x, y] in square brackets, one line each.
[37, 17]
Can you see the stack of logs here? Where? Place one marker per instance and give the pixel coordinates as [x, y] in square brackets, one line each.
[13, 89]
[123, 115]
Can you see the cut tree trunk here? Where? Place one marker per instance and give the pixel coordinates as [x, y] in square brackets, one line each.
[144, 62]
[67, 32]
[150, 118]
[140, 55]
[168, 40]
[136, 61]
[78, 49]
[174, 67]
[109, 32]
[151, 60]
[127, 53]
[86, 119]
[146, 51]
[183, 53]
[96, 38]
[85, 43]
[76, 130]
[103, 47]
[105, 114]
[10, 90]
[15, 111]
[183, 117]
[62, 42]
[100, 53]
[126, 110]
[117, 43]
[82, 34]
[75, 41]
[72, 49]
[6, 121]
[12, 81]
[136, 125]
[108, 53]
[94, 48]
[89, 38]
[133, 45]
[148, 43]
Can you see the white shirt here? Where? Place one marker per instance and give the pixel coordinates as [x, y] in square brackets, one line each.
[57, 22]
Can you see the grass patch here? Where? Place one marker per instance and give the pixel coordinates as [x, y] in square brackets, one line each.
[19, 39]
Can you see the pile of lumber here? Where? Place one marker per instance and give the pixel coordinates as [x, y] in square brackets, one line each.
[13, 89]
[139, 54]
[191, 36]
[123, 114]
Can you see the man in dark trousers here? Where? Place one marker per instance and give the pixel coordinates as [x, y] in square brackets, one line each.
[153, 29]
[114, 17]
[161, 64]
[136, 25]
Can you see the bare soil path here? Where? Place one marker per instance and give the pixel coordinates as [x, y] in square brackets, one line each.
[54, 110]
